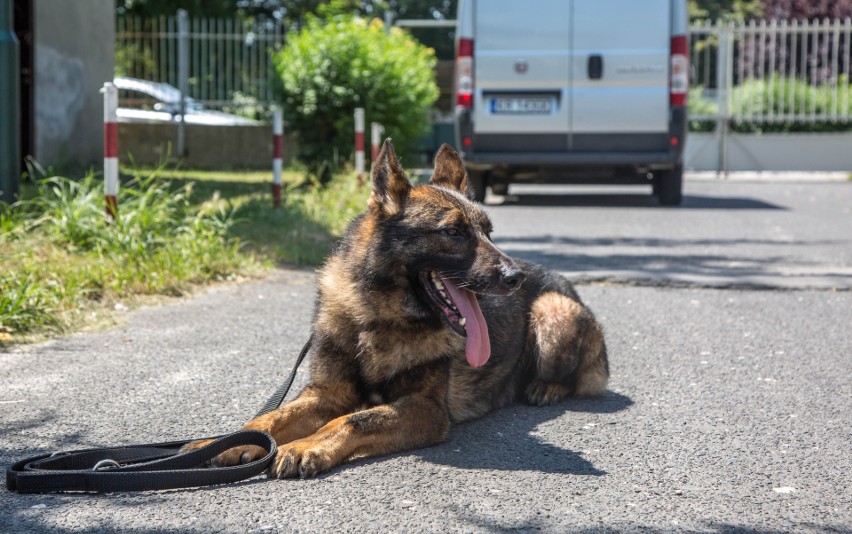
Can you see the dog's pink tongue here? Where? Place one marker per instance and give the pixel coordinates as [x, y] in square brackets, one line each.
[478, 346]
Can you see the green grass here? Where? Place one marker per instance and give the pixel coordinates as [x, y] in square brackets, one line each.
[62, 262]
[302, 231]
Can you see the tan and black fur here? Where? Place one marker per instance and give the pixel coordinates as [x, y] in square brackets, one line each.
[388, 373]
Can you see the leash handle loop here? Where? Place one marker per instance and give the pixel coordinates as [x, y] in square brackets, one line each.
[154, 466]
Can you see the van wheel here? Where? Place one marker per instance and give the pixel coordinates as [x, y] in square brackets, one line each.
[500, 188]
[668, 186]
[478, 182]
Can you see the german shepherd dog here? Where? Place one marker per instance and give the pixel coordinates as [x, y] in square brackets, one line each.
[421, 321]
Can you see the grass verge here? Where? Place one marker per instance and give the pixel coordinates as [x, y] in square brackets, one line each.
[64, 263]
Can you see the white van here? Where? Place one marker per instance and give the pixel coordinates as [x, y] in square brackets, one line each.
[572, 91]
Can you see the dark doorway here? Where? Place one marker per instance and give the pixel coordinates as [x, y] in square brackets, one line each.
[23, 17]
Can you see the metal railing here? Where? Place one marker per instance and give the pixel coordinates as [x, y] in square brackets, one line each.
[771, 72]
[755, 72]
[229, 61]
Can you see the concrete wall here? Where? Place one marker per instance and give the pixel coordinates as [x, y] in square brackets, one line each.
[74, 56]
[771, 152]
[250, 147]
[208, 147]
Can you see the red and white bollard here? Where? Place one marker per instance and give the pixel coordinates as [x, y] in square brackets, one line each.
[277, 150]
[375, 140]
[110, 149]
[359, 144]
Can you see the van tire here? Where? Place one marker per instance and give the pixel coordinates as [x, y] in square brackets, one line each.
[668, 186]
[478, 182]
[500, 188]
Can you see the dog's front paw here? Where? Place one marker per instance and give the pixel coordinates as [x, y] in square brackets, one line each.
[193, 445]
[304, 459]
[234, 456]
[239, 455]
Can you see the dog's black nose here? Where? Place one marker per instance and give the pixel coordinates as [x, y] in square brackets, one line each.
[513, 279]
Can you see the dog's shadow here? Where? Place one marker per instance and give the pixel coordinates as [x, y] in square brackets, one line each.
[510, 439]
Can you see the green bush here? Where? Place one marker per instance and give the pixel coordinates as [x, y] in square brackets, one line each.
[700, 106]
[776, 96]
[333, 66]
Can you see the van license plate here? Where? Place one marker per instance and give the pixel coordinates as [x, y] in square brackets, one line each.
[525, 105]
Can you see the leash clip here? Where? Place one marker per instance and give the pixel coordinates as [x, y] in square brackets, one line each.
[105, 464]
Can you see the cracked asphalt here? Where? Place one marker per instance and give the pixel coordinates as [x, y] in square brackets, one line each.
[729, 408]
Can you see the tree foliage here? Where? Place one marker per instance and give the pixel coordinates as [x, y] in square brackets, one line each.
[732, 10]
[744, 10]
[195, 8]
[807, 9]
[293, 14]
[336, 64]
[291, 11]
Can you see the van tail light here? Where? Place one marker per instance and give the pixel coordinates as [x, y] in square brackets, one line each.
[464, 74]
[679, 81]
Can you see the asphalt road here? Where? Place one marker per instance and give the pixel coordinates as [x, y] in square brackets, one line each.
[729, 408]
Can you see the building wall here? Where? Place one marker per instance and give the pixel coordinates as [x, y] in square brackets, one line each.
[824, 151]
[74, 56]
[236, 147]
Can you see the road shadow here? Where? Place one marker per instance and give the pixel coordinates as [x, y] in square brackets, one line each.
[652, 242]
[506, 440]
[540, 523]
[658, 257]
[634, 200]
[35, 430]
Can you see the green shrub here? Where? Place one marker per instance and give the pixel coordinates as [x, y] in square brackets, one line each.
[700, 106]
[333, 66]
[776, 96]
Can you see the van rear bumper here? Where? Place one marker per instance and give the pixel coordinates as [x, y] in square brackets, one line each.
[486, 160]
[484, 152]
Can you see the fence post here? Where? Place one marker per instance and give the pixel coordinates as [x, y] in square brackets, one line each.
[277, 150]
[359, 144]
[388, 21]
[10, 107]
[183, 77]
[110, 149]
[375, 140]
[724, 82]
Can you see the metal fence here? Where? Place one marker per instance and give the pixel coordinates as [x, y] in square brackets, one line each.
[771, 72]
[229, 61]
[755, 72]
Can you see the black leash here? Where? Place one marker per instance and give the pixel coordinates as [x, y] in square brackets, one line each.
[278, 397]
[153, 466]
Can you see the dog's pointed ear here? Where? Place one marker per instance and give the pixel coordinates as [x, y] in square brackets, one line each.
[390, 186]
[450, 173]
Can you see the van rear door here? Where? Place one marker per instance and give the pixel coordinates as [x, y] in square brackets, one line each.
[571, 75]
[620, 77]
[522, 70]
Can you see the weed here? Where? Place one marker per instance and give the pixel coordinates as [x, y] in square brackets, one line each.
[65, 254]
[25, 303]
[63, 257]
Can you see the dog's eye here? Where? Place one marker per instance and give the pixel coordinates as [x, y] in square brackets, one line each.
[452, 231]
